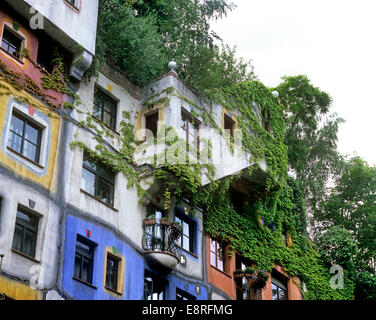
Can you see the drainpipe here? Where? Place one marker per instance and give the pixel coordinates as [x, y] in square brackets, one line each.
[1, 260]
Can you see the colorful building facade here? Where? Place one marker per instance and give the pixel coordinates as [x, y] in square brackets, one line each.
[73, 226]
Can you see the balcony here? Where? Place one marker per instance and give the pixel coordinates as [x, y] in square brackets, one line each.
[160, 244]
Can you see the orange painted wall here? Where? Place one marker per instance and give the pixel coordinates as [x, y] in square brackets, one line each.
[222, 280]
[292, 287]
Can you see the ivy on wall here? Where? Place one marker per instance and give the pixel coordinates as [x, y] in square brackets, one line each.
[279, 202]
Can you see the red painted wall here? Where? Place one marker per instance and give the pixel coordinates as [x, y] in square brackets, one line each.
[27, 67]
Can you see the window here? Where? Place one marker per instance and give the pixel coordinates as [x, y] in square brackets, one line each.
[151, 124]
[25, 232]
[182, 295]
[190, 128]
[84, 260]
[217, 255]
[98, 180]
[154, 288]
[25, 137]
[105, 108]
[229, 125]
[112, 272]
[243, 292]
[279, 286]
[186, 240]
[237, 200]
[11, 42]
[279, 292]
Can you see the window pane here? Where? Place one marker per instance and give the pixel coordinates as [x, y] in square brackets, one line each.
[16, 125]
[77, 266]
[30, 151]
[186, 242]
[212, 245]
[274, 292]
[282, 294]
[17, 240]
[112, 273]
[85, 272]
[88, 181]
[28, 245]
[107, 119]
[213, 259]
[104, 191]
[220, 264]
[15, 142]
[186, 229]
[31, 134]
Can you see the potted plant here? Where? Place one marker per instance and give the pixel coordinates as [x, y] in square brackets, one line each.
[165, 221]
[150, 220]
[249, 272]
[238, 273]
[261, 278]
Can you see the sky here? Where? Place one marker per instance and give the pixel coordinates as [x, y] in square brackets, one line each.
[333, 42]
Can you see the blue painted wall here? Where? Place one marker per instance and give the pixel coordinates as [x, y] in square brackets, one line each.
[134, 263]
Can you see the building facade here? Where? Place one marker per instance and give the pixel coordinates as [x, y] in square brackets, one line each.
[77, 223]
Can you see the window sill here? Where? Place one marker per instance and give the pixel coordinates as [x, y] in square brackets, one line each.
[99, 200]
[12, 56]
[113, 291]
[25, 255]
[26, 158]
[72, 6]
[84, 282]
[107, 126]
[223, 272]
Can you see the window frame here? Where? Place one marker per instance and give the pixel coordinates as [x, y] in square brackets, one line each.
[26, 227]
[118, 260]
[150, 115]
[182, 218]
[161, 284]
[279, 289]
[114, 108]
[229, 120]
[97, 176]
[187, 118]
[26, 122]
[90, 258]
[22, 38]
[222, 245]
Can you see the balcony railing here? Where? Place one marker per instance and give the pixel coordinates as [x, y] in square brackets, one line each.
[161, 238]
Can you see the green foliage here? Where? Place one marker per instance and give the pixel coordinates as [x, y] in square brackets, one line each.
[365, 288]
[311, 136]
[141, 37]
[350, 204]
[338, 247]
[129, 42]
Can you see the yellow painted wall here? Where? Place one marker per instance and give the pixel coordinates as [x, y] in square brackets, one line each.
[7, 92]
[18, 291]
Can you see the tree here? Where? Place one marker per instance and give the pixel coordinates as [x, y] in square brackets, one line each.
[337, 246]
[311, 137]
[130, 43]
[141, 37]
[351, 204]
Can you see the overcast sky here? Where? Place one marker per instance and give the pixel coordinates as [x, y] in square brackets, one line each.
[333, 42]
